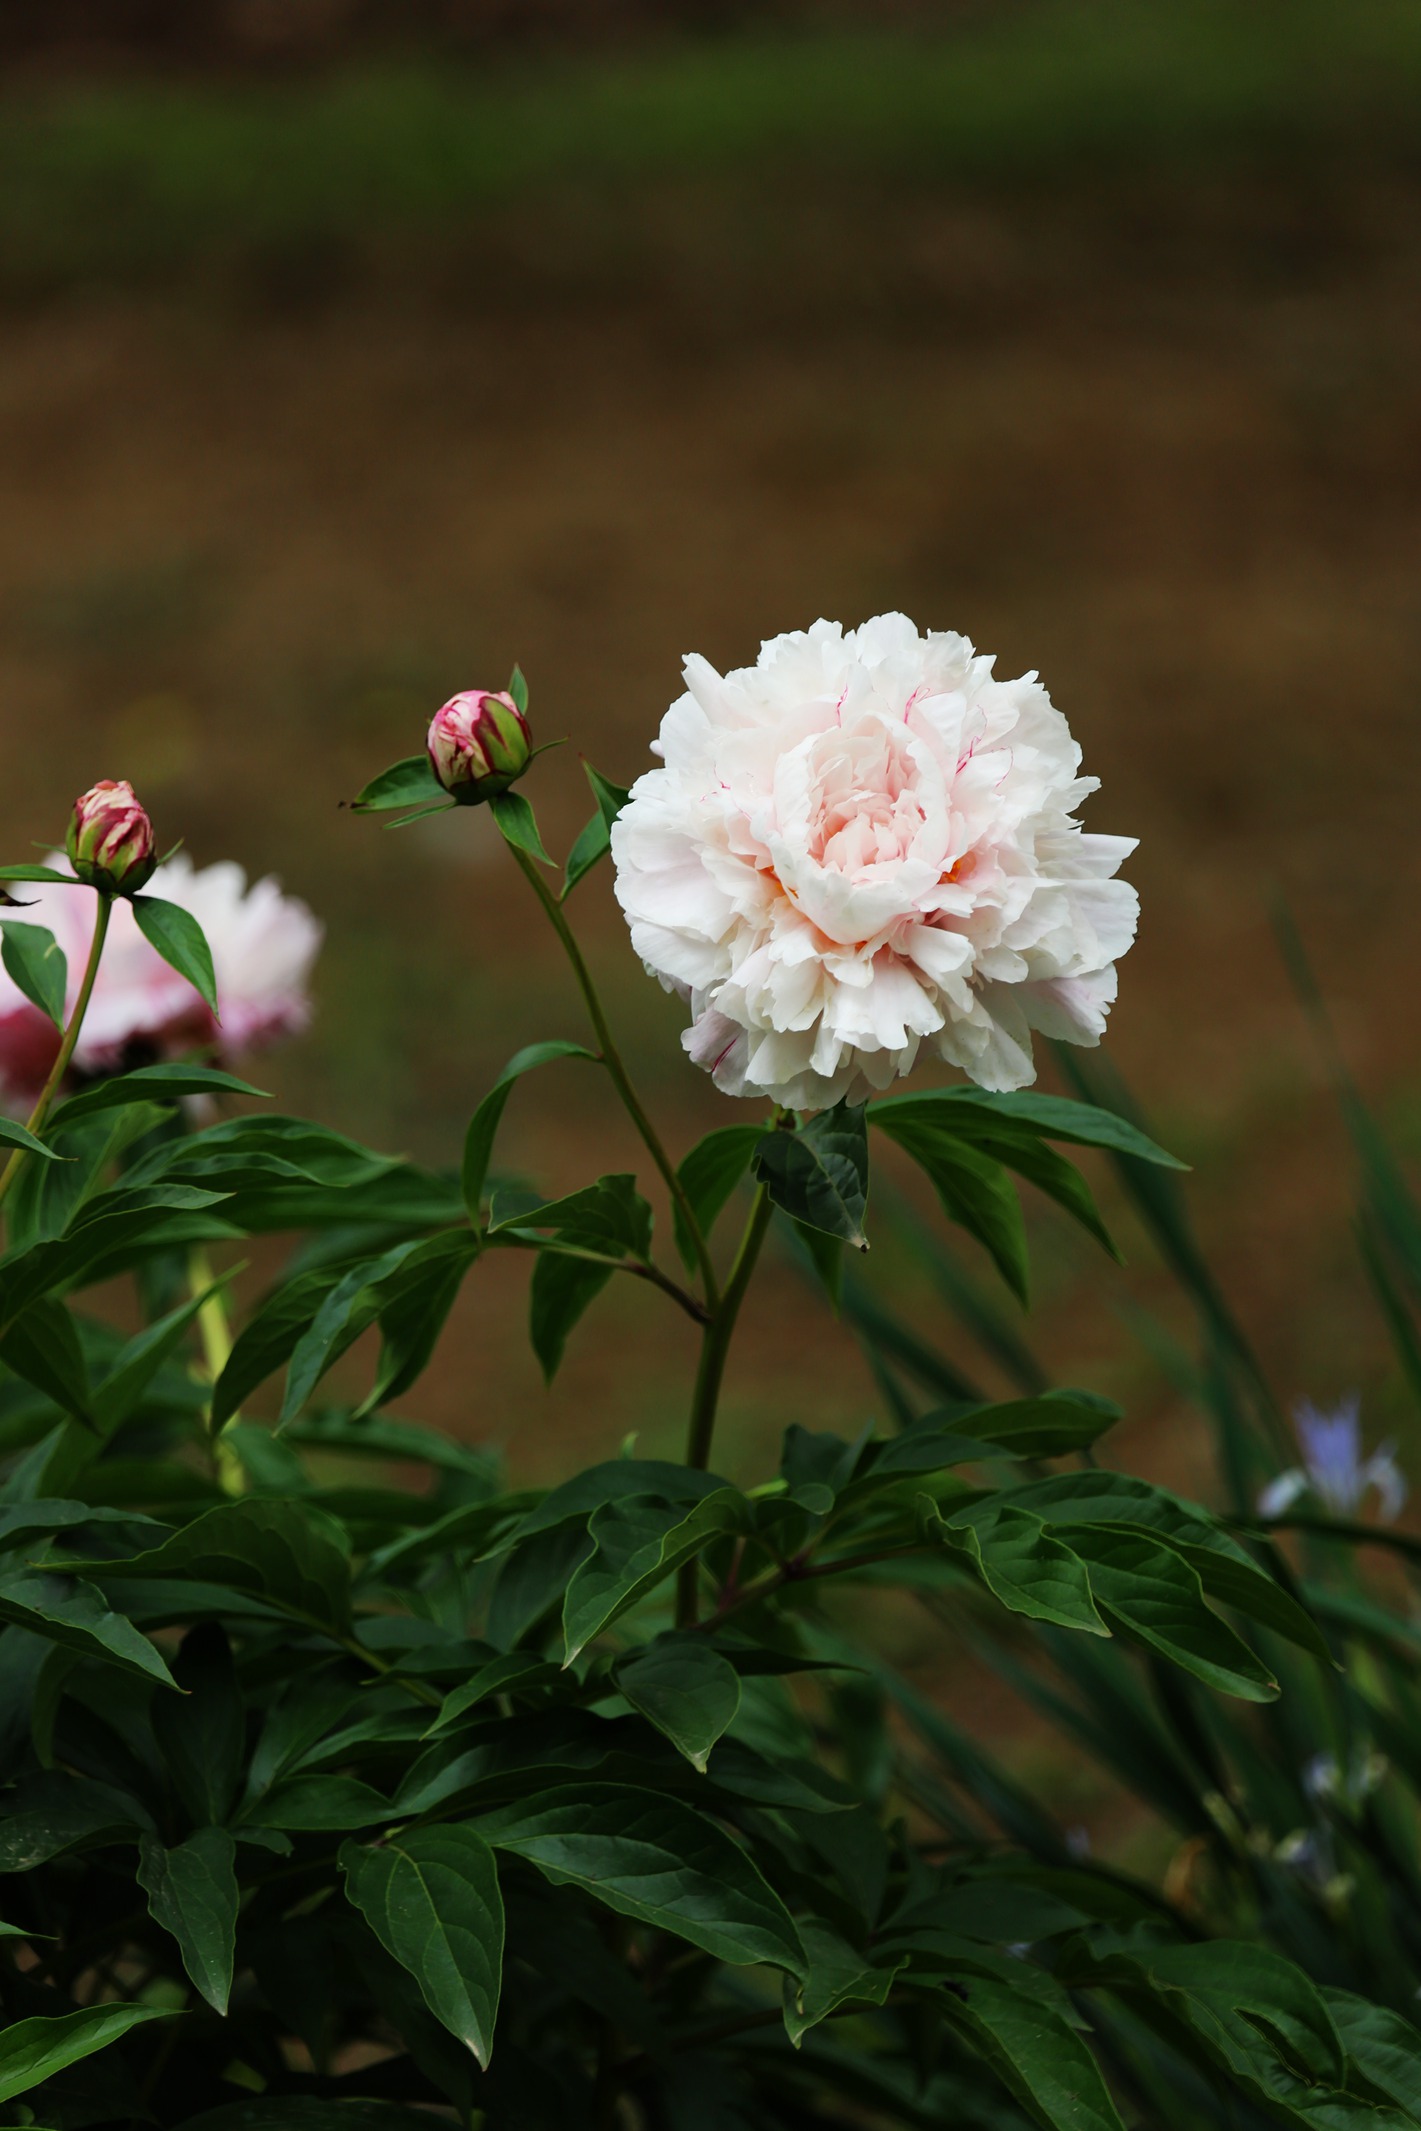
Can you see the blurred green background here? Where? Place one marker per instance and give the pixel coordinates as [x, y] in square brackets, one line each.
[348, 353]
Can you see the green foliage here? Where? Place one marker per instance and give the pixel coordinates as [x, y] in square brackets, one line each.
[36, 962]
[343, 1802]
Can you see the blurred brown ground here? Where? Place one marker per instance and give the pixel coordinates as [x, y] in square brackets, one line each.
[1159, 439]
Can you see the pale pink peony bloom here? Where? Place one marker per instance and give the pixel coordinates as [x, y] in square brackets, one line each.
[863, 847]
[263, 946]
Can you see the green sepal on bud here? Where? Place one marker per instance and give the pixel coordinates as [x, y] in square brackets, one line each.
[110, 841]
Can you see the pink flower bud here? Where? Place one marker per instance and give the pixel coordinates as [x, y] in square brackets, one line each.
[479, 744]
[110, 840]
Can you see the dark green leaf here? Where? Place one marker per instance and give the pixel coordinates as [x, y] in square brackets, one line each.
[287, 1554]
[561, 1290]
[149, 1084]
[819, 1175]
[32, 2051]
[1020, 1564]
[201, 1732]
[653, 1858]
[973, 1111]
[37, 966]
[709, 1175]
[502, 1675]
[42, 1346]
[638, 1542]
[594, 841]
[1059, 1179]
[1049, 1426]
[1035, 2053]
[52, 1812]
[685, 1688]
[478, 1145]
[1148, 1589]
[1226, 1571]
[837, 1975]
[349, 1308]
[615, 1479]
[139, 1360]
[316, 1803]
[414, 1312]
[972, 1187]
[16, 1135]
[1253, 2014]
[609, 1216]
[269, 1338]
[518, 825]
[192, 1893]
[533, 1580]
[65, 1610]
[1386, 2048]
[175, 934]
[404, 784]
[40, 873]
[431, 1897]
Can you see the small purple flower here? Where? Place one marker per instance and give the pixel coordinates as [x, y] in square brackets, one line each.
[1334, 1468]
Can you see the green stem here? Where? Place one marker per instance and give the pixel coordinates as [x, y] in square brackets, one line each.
[715, 1348]
[640, 1269]
[57, 1071]
[612, 1060]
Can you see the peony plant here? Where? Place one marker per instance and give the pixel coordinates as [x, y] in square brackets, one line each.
[338, 1803]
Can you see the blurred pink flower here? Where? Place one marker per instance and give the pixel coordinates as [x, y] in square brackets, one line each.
[263, 945]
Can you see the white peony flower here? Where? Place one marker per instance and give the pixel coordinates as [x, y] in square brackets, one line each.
[263, 945]
[864, 845]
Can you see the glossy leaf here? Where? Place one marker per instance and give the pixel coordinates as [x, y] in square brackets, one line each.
[1385, 2047]
[42, 1346]
[836, 1975]
[411, 782]
[32, 2051]
[709, 1175]
[971, 1110]
[315, 1803]
[972, 1187]
[431, 1896]
[1147, 1588]
[36, 965]
[176, 935]
[654, 1859]
[518, 825]
[819, 1175]
[285, 1553]
[14, 1134]
[609, 1216]
[192, 1893]
[1035, 2053]
[686, 1689]
[594, 840]
[149, 1084]
[562, 1289]
[483, 1126]
[1020, 1563]
[63, 1609]
[638, 1542]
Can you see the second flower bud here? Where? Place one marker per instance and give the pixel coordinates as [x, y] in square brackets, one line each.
[110, 841]
[479, 744]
